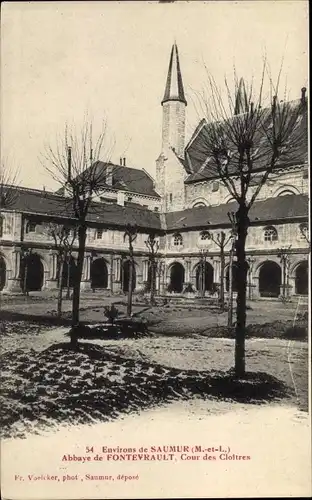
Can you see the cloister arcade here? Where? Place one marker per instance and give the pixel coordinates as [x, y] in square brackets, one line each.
[37, 271]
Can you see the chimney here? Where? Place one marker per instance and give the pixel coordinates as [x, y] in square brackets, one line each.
[69, 161]
[303, 95]
[121, 198]
[124, 162]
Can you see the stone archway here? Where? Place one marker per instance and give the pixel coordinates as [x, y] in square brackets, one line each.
[270, 279]
[32, 273]
[208, 276]
[2, 273]
[126, 276]
[99, 273]
[302, 278]
[177, 276]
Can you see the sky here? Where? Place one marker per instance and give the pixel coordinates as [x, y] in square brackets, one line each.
[61, 61]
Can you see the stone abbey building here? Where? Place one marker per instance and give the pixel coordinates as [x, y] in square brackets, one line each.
[182, 206]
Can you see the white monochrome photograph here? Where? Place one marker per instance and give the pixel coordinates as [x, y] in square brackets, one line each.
[155, 250]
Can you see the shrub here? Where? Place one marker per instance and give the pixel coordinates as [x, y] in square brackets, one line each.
[111, 313]
[296, 333]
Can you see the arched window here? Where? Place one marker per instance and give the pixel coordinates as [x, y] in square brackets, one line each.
[199, 204]
[204, 236]
[1, 226]
[230, 200]
[177, 240]
[286, 192]
[304, 231]
[270, 234]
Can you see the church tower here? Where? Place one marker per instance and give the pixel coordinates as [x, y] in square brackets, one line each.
[174, 103]
[170, 173]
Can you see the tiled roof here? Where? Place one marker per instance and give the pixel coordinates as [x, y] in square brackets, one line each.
[203, 167]
[282, 207]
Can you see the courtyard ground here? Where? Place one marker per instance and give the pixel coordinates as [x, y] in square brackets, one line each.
[45, 384]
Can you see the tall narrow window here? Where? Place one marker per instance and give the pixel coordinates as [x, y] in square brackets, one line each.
[99, 234]
[1, 226]
[31, 227]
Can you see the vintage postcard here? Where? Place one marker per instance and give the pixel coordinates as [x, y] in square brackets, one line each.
[155, 250]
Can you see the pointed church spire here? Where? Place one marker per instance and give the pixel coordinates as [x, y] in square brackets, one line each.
[174, 90]
[241, 99]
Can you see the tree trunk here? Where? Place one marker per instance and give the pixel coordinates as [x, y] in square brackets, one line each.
[242, 272]
[82, 233]
[152, 295]
[60, 289]
[68, 277]
[26, 278]
[130, 289]
[202, 272]
[222, 265]
[230, 306]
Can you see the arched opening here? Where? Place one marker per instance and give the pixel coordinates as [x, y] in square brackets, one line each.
[301, 279]
[204, 276]
[286, 192]
[2, 273]
[270, 279]
[126, 276]
[176, 277]
[32, 273]
[69, 273]
[234, 278]
[99, 274]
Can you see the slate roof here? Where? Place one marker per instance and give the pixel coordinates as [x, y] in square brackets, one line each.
[47, 203]
[271, 209]
[282, 207]
[125, 179]
[202, 167]
[129, 179]
[174, 90]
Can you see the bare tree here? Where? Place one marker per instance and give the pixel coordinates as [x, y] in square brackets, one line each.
[8, 185]
[130, 234]
[243, 144]
[74, 162]
[64, 236]
[221, 240]
[153, 246]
